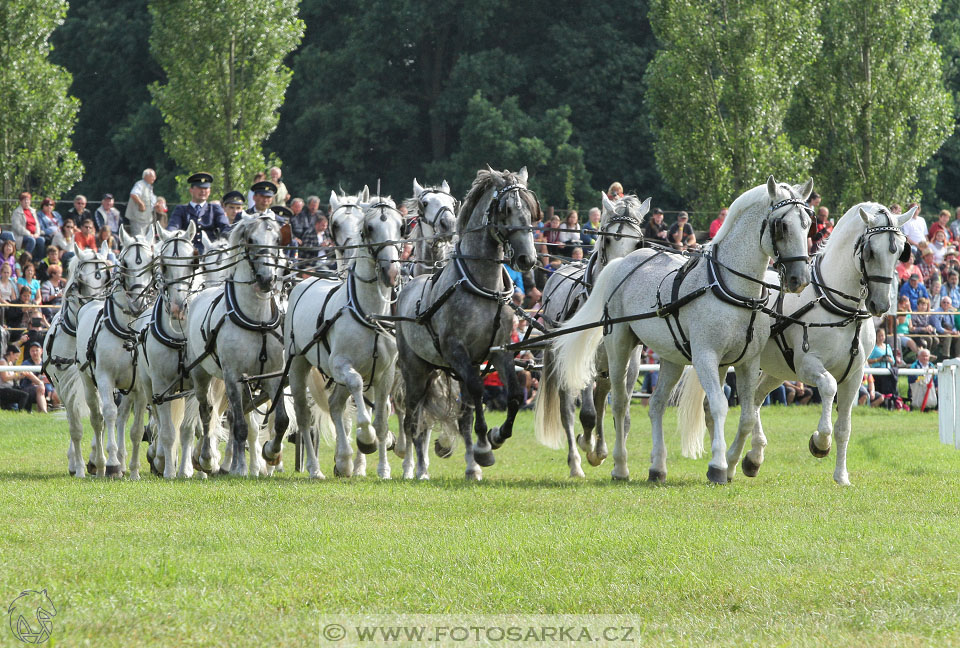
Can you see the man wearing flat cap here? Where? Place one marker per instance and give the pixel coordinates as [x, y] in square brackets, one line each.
[263, 193]
[209, 218]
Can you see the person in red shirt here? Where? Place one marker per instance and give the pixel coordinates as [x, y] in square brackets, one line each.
[820, 230]
[718, 222]
[943, 223]
[86, 238]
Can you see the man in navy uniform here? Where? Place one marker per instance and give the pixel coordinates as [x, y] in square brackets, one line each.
[233, 204]
[263, 193]
[208, 217]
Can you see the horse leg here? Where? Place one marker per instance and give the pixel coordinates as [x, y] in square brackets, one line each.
[598, 401]
[633, 372]
[343, 373]
[73, 404]
[343, 464]
[272, 451]
[136, 433]
[472, 386]
[504, 363]
[812, 371]
[670, 373]
[298, 375]
[464, 423]
[846, 398]
[123, 413]
[381, 410]
[754, 458]
[588, 419]
[567, 412]
[238, 422]
[111, 465]
[618, 346]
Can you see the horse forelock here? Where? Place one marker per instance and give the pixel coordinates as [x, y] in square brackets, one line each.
[629, 205]
[488, 179]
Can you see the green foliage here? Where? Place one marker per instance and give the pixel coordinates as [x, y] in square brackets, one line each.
[38, 114]
[719, 89]
[225, 81]
[875, 104]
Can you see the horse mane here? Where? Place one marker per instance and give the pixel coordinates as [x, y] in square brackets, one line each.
[71, 273]
[751, 199]
[850, 225]
[486, 179]
[628, 205]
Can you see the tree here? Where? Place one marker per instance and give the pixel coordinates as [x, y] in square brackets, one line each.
[875, 104]
[225, 80]
[38, 113]
[719, 89]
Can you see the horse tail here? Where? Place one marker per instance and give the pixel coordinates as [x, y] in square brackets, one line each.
[576, 353]
[690, 418]
[441, 405]
[178, 410]
[218, 403]
[71, 391]
[546, 414]
[319, 393]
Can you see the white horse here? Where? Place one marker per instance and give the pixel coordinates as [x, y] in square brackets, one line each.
[215, 262]
[89, 274]
[233, 334]
[344, 225]
[673, 304]
[564, 293]
[826, 339]
[107, 349]
[329, 327]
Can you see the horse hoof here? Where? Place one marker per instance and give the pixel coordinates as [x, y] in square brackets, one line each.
[485, 459]
[619, 478]
[402, 453]
[750, 469]
[442, 451]
[91, 468]
[582, 444]
[817, 452]
[223, 471]
[594, 459]
[716, 475]
[657, 476]
[494, 437]
[366, 448]
[292, 438]
[338, 473]
[114, 472]
[275, 459]
[73, 473]
[474, 475]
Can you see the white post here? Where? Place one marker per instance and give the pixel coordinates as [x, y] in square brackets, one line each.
[949, 401]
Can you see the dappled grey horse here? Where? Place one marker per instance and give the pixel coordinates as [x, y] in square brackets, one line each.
[450, 320]
[565, 291]
[698, 309]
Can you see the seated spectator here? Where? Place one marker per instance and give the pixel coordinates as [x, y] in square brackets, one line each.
[942, 224]
[11, 396]
[13, 314]
[915, 229]
[943, 321]
[66, 238]
[551, 234]
[881, 357]
[159, 212]
[653, 228]
[32, 383]
[79, 212]
[615, 192]
[906, 268]
[35, 357]
[923, 389]
[52, 259]
[576, 254]
[955, 226]
[797, 392]
[570, 233]
[938, 246]
[8, 256]
[820, 230]
[680, 235]
[37, 326]
[105, 235]
[9, 291]
[922, 330]
[107, 216]
[914, 290]
[591, 230]
[933, 287]
[950, 263]
[25, 227]
[49, 220]
[86, 238]
[51, 290]
[30, 280]
[904, 322]
[718, 222]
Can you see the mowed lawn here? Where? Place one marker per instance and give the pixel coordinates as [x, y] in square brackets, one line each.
[787, 558]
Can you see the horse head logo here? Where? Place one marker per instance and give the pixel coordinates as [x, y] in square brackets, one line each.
[30, 616]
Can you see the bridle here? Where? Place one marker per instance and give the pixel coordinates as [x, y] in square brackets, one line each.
[371, 247]
[624, 219]
[422, 207]
[334, 225]
[496, 209]
[137, 289]
[778, 231]
[262, 251]
[864, 240]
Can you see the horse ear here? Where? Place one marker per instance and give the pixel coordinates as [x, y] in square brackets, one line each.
[191, 231]
[607, 203]
[864, 216]
[161, 234]
[445, 187]
[365, 194]
[334, 201]
[76, 250]
[903, 218]
[104, 249]
[645, 206]
[125, 239]
[772, 188]
[417, 189]
[204, 239]
[522, 174]
[806, 189]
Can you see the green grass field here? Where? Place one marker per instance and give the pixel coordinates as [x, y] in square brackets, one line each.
[787, 558]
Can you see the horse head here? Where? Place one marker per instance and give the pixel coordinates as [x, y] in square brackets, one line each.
[381, 234]
[215, 261]
[621, 226]
[344, 226]
[436, 210]
[178, 263]
[510, 215]
[879, 248]
[90, 271]
[783, 235]
[135, 265]
[258, 238]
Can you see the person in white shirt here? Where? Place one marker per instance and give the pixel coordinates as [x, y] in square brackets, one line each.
[108, 215]
[139, 214]
[915, 229]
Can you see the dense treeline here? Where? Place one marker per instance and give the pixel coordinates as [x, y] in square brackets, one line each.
[389, 90]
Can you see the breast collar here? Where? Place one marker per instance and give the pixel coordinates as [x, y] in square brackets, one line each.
[156, 329]
[237, 316]
[828, 301]
[353, 305]
[468, 282]
[125, 333]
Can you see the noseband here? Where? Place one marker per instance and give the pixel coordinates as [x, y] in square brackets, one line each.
[333, 228]
[623, 219]
[422, 207]
[778, 230]
[375, 250]
[861, 244]
[498, 203]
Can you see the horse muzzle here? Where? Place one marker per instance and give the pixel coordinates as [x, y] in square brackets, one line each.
[796, 276]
